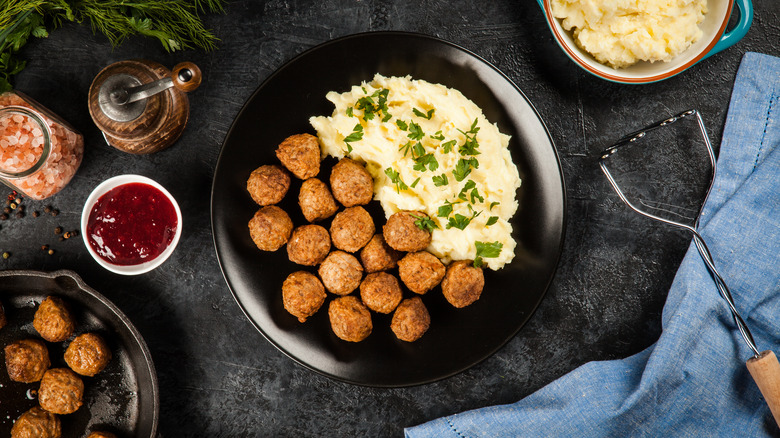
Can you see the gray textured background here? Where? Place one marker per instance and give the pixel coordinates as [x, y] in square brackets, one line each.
[218, 376]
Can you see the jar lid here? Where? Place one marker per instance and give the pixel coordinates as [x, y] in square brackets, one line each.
[25, 141]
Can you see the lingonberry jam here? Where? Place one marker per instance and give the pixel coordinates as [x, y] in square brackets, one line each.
[131, 224]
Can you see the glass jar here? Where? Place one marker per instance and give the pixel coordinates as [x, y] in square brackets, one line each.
[39, 152]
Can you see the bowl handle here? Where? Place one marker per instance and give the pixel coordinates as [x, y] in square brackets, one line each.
[743, 25]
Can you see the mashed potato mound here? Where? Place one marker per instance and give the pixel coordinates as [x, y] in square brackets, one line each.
[620, 33]
[464, 175]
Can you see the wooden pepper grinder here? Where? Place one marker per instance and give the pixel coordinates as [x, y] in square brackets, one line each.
[140, 105]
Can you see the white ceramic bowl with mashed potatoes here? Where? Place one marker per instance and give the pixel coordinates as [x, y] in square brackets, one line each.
[710, 38]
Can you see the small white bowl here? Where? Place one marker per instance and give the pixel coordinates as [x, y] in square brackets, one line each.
[104, 188]
[714, 39]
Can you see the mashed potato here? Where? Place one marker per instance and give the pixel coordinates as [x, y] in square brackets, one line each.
[430, 149]
[621, 32]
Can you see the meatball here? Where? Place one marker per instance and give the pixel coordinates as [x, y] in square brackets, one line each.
[53, 320]
[380, 292]
[270, 228]
[316, 201]
[3, 320]
[377, 255]
[101, 434]
[421, 271]
[351, 229]
[268, 184]
[88, 354]
[463, 283]
[410, 320]
[309, 245]
[37, 423]
[341, 273]
[350, 319]
[61, 391]
[402, 234]
[300, 154]
[351, 183]
[26, 360]
[302, 294]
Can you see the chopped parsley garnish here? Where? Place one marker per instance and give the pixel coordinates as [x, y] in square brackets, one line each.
[493, 204]
[406, 148]
[350, 112]
[425, 160]
[459, 221]
[426, 116]
[438, 136]
[401, 125]
[463, 168]
[425, 223]
[486, 250]
[395, 178]
[439, 181]
[372, 107]
[491, 220]
[446, 147]
[357, 134]
[469, 147]
[415, 132]
[471, 189]
[445, 209]
[415, 182]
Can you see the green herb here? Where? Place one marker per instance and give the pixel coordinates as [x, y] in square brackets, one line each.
[469, 147]
[415, 182]
[176, 24]
[459, 221]
[418, 150]
[438, 136]
[395, 178]
[419, 113]
[486, 250]
[491, 221]
[471, 188]
[357, 134]
[401, 125]
[425, 223]
[493, 204]
[350, 112]
[439, 181]
[372, 107]
[463, 168]
[406, 148]
[426, 160]
[445, 209]
[415, 132]
[447, 146]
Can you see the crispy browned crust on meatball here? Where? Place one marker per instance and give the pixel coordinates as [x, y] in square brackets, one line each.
[61, 391]
[302, 294]
[402, 234]
[308, 245]
[350, 318]
[270, 228]
[101, 434]
[37, 423]
[300, 154]
[421, 271]
[380, 292]
[316, 201]
[88, 354]
[3, 319]
[463, 283]
[53, 320]
[26, 360]
[341, 272]
[410, 320]
[268, 184]
[377, 255]
[351, 229]
[351, 183]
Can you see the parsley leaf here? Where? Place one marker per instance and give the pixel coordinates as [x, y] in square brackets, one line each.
[447, 146]
[419, 113]
[439, 181]
[438, 136]
[471, 189]
[463, 168]
[491, 220]
[415, 132]
[402, 125]
[425, 223]
[357, 134]
[493, 204]
[415, 182]
[350, 112]
[445, 209]
[426, 160]
[486, 250]
[459, 221]
[395, 178]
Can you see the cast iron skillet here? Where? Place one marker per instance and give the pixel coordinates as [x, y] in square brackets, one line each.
[458, 338]
[122, 399]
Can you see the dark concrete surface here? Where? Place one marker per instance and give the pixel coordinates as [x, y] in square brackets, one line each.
[218, 376]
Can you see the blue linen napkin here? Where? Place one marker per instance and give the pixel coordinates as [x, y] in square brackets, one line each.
[693, 381]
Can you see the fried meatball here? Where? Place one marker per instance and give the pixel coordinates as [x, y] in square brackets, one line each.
[377, 255]
[351, 229]
[463, 283]
[37, 423]
[316, 201]
[421, 271]
[270, 228]
[101, 434]
[26, 360]
[308, 245]
[402, 234]
[302, 294]
[410, 320]
[341, 273]
[61, 391]
[300, 154]
[380, 292]
[351, 183]
[88, 354]
[268, 184]
[350, 319]
[53, 320]
[3, 320]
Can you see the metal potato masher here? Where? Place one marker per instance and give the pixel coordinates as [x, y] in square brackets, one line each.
[763, 366]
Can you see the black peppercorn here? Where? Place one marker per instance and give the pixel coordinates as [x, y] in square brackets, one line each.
[55, 212]
[36, 213]
[47, 209]
[58, 230]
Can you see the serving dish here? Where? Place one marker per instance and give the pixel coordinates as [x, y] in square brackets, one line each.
[715, 39]
[458, 338]
[123, 398]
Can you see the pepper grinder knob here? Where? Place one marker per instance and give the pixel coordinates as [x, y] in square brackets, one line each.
[186, 76]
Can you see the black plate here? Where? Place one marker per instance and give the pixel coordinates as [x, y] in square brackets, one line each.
[457, 339]
[122, 399]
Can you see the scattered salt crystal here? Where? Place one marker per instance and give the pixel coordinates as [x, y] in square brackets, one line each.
[37, 132]
[24, 139]
[18, 118]
[12, 140]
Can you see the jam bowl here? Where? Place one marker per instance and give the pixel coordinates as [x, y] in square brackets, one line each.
[130, 224]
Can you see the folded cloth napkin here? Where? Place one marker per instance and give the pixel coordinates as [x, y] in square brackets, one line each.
[693, 381]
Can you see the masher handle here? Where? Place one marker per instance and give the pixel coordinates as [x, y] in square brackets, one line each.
[765, 370]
